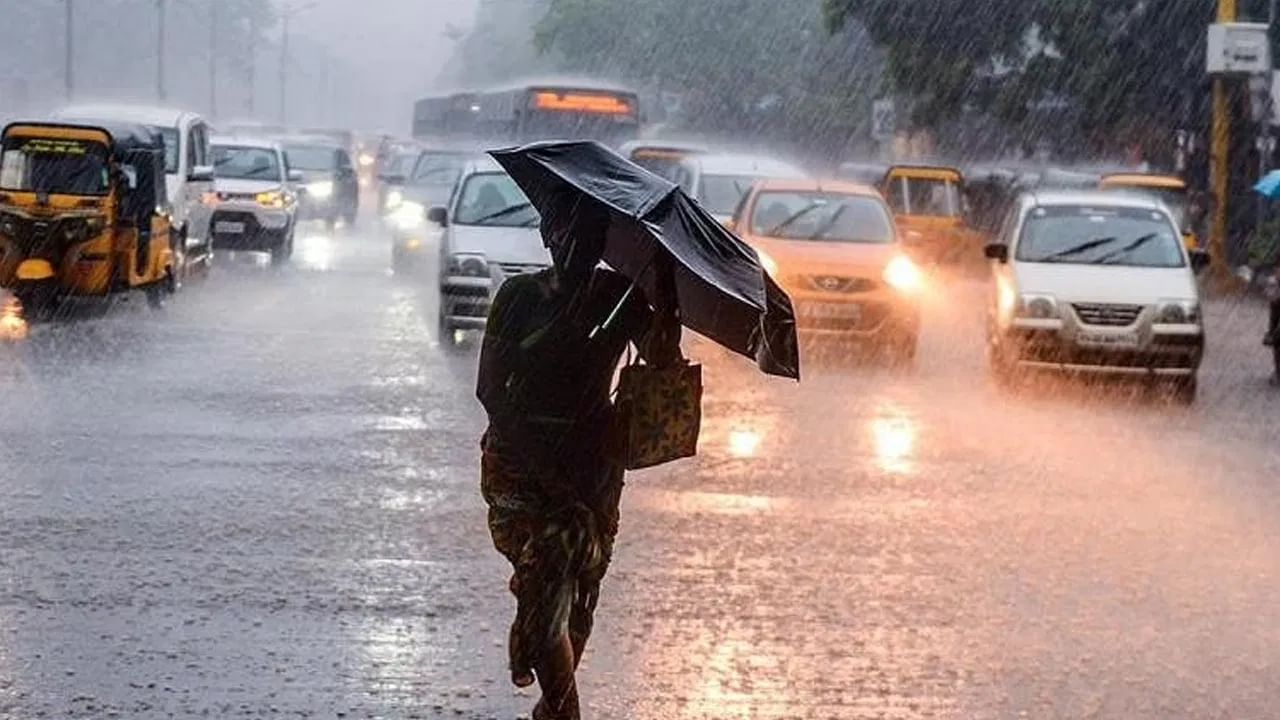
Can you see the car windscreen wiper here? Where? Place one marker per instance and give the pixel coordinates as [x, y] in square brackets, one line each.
[1114, 255]
[1077, 249]
[830, 223]
[510, 210]
[773, 232]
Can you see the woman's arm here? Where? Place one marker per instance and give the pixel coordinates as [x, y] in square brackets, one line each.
[659, 343]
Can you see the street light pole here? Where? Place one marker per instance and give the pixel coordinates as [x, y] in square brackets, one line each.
[251, 82]
[161, 20]
[69, 62]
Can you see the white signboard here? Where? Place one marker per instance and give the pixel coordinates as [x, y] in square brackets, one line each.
[884, 120]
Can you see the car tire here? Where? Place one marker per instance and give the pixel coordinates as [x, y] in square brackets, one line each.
[283, 251]
[399, 261]
[157, 294]
[904, 348]
[1186, 390]
[446, 331]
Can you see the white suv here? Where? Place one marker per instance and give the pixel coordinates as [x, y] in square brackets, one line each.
[1097, 283]
[255, 200]
[490, 234]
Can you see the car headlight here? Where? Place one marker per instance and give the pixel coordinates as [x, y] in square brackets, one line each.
[1178, 312]
[409, 216]
[320, 189]
[366, 159]
[468, 265]
[209, 199]
[767, 263]
[271, 199]
[903, 275]
[1037, 307]
[394, 198]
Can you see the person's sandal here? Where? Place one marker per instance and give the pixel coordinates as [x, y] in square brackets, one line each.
[521, 677]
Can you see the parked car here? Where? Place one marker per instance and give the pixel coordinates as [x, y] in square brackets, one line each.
[834, 248]
[330, 189]
[1095, 282]
[490, 234]
[188, 167]
[254, 200]
[719, 182]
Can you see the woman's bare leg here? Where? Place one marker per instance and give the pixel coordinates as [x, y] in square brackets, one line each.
[559, 688]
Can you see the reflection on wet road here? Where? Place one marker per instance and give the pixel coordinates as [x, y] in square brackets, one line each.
[264, 501]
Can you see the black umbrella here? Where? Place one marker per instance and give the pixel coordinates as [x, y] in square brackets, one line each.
[722, 291]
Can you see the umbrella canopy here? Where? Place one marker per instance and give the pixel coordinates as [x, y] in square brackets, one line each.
[721, 289]
[1269, 185]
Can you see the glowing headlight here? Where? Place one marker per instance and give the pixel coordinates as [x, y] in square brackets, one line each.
[366, 159]
[767, 263]
[394, 198]
[408, 216]
[209, 199]
[903, 275]
[271, 199]
[468, 265]
[320, 189]
[1179, 312]
[1037, 307]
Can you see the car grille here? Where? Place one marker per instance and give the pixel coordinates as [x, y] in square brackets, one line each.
[1108, 315]
[231, 196]
[509, 269]
[836, 283]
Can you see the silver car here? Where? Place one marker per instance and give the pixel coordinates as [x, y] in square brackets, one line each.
[1096, 283]
[254, 200]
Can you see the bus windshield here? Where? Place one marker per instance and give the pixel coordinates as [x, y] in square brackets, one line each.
[61, 167]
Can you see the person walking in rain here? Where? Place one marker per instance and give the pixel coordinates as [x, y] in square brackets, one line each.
[552, 344]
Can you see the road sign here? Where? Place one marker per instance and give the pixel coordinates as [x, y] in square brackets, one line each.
[884, 120]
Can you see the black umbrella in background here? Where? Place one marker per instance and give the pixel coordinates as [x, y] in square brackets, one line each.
[722, 291]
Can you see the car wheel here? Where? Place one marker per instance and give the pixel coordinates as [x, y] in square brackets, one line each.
[281, 253]
[399, 261]
[156, 295]
[446, 331]
[904, 349]
[1185, 391]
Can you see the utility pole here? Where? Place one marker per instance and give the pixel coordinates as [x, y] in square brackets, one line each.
[284, 66]
[69, 42]
[251, 82]
[161, 20]
[1219, 151]
[213, 59]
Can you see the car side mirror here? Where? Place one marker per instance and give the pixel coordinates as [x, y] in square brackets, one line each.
[997, 251]
[201, 173]
[1200, 260]
[393, 179]
[295, 176]
[438, 215]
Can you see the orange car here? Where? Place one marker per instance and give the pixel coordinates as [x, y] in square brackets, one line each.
[835, 249]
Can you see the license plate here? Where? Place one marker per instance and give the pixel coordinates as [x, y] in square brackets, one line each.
[831, 311]
[224, 226]
[1109, 340]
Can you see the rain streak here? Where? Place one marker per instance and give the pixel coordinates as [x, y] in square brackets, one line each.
[640, 359]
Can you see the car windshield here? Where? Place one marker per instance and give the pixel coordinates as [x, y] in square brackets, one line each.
[310, 157]
[437, 168]
[720, 194]
[1091, 235]
[822, 216]
[932, 197]
[493, 198]
[236, 162]
[55, 166]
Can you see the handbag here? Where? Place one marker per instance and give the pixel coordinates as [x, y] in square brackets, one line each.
[659, 411]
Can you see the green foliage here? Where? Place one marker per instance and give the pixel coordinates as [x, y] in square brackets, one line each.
[1121, 63]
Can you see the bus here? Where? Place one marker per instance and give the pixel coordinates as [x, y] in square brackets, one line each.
[531, 111]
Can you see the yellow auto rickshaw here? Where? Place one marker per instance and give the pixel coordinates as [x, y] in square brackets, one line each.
[84, 213]
[928, 205]
[1170, 189]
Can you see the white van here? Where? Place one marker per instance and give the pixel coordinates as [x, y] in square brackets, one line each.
[720, 182]
[188, 164]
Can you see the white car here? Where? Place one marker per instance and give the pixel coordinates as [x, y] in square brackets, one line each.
[720, 182]
[254, 200]
[188, 165]
[490, 234]
[1093, 282]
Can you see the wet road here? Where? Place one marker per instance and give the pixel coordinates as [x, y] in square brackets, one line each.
[263, 502]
